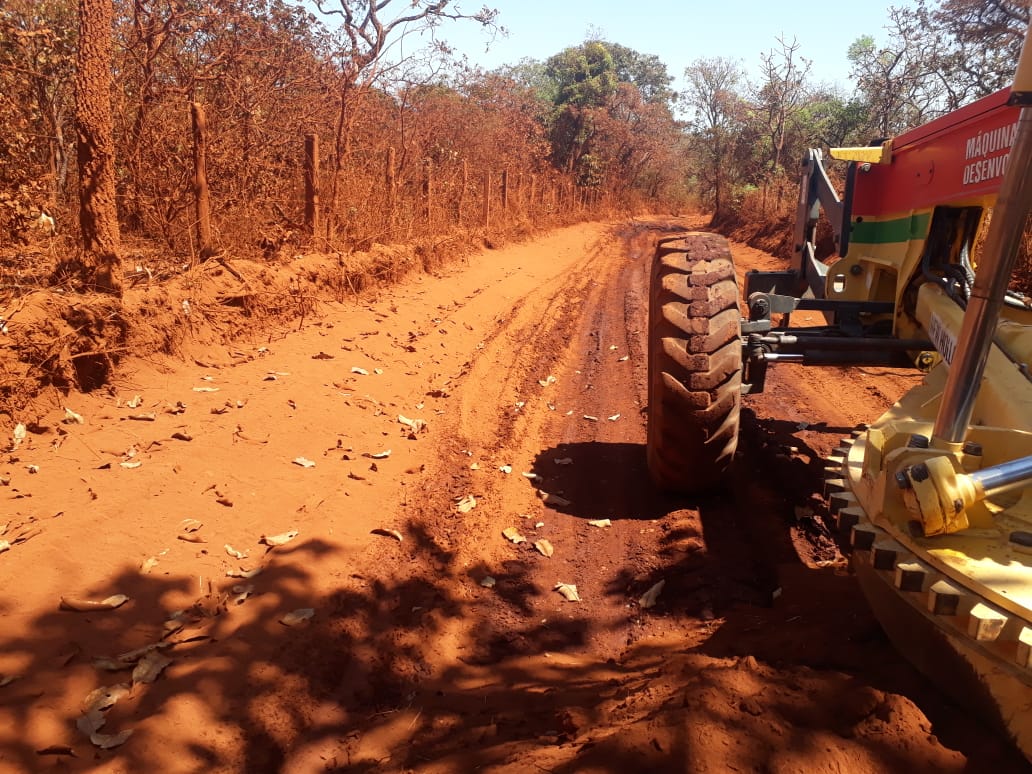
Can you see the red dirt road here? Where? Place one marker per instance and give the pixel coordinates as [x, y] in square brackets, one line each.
[449, 650]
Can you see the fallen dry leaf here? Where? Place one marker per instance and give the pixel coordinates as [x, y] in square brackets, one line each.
[4, 546]
[553, 499]
[104, 697]
[613, 418]
[600, 523]
[130, 465]
[295, 617]
[466, 503]
[624, 358]
[72, 418]
[544, 547]
[90, 606]
[107, 741]
[359, 371]
[242, 573]
[135, 402]
[205, 389]
[18, 436]
[147, 417]
[190, 525]
[513, 534]
[388, 533]
[149, 667]
[648, 599]
[304, 463]
[547, 381]
[488, 582]
[279, 540]
[506, 469]
[242, 591]
[590, 418]
[234, 553]
[149, 565]
[569, 591]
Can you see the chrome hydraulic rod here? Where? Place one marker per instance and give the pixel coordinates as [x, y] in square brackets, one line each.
[991, 279]
[1005, 476]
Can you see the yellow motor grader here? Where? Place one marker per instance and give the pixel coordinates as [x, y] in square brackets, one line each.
[935, 496]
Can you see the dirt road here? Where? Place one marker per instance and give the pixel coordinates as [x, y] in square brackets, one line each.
[399, 437]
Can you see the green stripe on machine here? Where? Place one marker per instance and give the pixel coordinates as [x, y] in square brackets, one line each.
[885, 231]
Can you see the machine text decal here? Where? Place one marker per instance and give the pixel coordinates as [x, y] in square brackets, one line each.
[982, 164]
[942, 338]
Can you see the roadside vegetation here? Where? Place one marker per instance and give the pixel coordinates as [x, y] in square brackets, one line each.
[163, 141]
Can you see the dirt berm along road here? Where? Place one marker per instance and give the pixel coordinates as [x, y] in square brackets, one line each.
[399, 629]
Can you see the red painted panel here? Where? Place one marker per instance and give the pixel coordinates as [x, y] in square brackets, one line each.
[960, 156]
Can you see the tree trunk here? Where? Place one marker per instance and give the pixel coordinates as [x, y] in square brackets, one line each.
[98, 214]
[312, 184]
[202, 199]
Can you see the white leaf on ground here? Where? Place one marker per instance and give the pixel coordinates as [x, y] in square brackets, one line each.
[506, 469]
[513, 534]
[242, 573]
[474, 466]
[145, 417]
[590, 418]
[295, 617]
[648, 599]
[544, 547]
[359, 371]
[107, 741]
[569, 591]
[190, 525]
[531, 476]
[377, 371]
[279, 540]
[466, 503]
[488, 582]
[612, 347]
[72, 418]
[234, 553]
[136, 402]
[205, 389]
[547, 381]
[303, 462]
[553, 499]
[380, 455]
[4, 546]
[388, 533]
[242, 592]
[600, 523]
[18, 436]
[614, 417]
[130, 465]
[149, 667]
[623, 359]
[564, 461]
[149, 565]
[90, 605]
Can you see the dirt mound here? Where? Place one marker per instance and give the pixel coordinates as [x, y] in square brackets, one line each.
[65, 341]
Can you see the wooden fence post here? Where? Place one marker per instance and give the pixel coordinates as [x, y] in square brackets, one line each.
[202, 200]
[428, 190]
[391, 184]
[311, 184]
[487, 199]
[460, 204]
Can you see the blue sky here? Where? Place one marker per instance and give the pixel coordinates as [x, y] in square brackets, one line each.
[677, 32]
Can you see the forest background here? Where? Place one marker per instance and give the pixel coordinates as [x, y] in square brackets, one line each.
[410, 148]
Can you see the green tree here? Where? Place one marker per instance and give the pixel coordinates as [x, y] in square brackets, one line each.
[717, 123]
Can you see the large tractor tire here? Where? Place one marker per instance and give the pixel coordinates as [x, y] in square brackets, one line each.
[695, 363]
